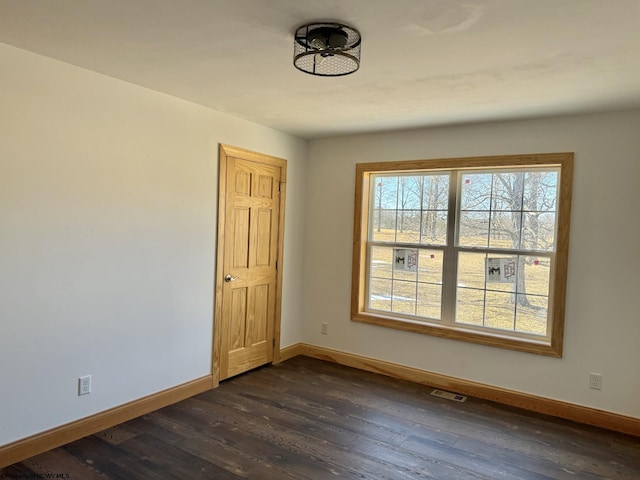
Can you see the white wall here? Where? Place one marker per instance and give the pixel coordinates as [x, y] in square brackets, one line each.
[108, 200]
[602, 326]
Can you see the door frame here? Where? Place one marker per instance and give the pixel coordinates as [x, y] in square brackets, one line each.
[226, 151]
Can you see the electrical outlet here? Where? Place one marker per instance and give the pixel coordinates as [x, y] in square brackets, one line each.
[324, 328]
[84, 385]
[595, 381]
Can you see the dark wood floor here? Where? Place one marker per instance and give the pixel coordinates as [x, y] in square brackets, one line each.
[307, 419]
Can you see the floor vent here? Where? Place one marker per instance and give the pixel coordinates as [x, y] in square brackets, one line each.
[449, 396]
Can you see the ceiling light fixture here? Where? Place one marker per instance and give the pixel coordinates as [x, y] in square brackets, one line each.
[327, 49]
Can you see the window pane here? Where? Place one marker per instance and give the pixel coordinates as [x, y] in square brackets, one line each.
[474, 229]
[405, 264]
[540, 191]
[384, 211]
[536, 275]
[507, 191]
[532, 318]
[404, 297]
[470, 306]
[430, 266]
[471, 270]
[499, 310]
[502, 272]
[429, 300]
[408, 226]
[381, 262]
[539, 231]
[409, 192]
[505, 229]
[435, 192]
[380, 294]
[476, 191]
[386, 192]
[533, 295]
[383, 225]
[434, 227]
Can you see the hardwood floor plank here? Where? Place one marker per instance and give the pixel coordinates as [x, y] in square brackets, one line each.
[173, 460]
[118, 434]
[469, 461]
[115, 462]
[290, 416]
[532, 461]
[313, 420]
[405, 460]
[59, 462]
[244, 463]
[18, 470]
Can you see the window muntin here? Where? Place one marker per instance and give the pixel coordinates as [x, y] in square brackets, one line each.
[515, 211]
[409, 208]
[430, 234]
[509, 209]
[415, 292]
[520, 306]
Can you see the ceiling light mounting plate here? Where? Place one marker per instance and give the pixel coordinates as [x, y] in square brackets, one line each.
[327, 49]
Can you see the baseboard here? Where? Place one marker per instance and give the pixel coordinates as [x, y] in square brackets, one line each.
[291, 351]
[556, 408]
[42, 442]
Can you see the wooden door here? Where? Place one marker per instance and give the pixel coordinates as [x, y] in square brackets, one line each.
[249, 247]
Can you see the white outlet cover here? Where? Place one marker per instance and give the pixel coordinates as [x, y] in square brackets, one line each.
[595, 381]
[84, 385]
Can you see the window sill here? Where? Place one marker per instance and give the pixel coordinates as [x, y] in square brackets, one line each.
[541, 347]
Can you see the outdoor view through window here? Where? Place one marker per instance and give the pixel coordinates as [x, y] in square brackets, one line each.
[473, 249]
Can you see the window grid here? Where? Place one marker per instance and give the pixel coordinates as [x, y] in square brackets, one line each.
[520, 178]
[422, 245]
[543, 268]
[452, 249]
[394, 281]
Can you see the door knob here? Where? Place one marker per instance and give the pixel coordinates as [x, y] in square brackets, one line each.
[230, 278]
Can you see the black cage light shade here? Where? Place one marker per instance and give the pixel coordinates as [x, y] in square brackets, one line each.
[327, 49]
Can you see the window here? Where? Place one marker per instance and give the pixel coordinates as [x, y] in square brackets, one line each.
[473, 249]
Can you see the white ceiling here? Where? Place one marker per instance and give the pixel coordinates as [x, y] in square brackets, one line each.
[424, 62]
